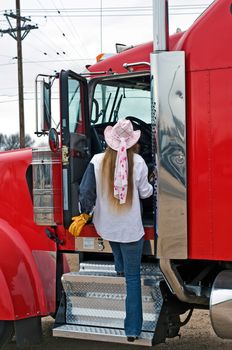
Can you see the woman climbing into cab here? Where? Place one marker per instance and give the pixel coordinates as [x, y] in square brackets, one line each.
[113, 183]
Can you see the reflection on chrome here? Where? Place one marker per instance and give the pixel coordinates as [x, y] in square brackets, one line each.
[173, 160]
[172, 128]
[168, 93]
[221, 305]
[44, 191]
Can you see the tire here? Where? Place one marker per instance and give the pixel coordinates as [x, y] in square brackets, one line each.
[6, 333]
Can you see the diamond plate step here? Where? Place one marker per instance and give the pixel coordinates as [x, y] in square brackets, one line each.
[94, 305]
[100, 334]
[95, 296]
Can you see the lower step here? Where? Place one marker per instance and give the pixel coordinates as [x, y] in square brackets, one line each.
[101, 334]
[99, 301]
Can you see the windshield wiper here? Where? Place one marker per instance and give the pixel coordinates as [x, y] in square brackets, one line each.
[117, 108]
[103, 111]
[114, 103]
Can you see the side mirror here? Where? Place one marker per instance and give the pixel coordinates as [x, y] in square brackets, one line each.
[43, 103]
[45, 106]
[53, 140]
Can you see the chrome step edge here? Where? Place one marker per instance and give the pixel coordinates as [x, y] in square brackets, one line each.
[108, 267]
[73, 277]
[100, 334]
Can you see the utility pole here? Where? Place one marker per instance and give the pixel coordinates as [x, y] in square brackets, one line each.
[20, 77]
[19, 33]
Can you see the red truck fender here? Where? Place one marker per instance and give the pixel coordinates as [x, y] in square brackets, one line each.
[7, 308]
[23, 291]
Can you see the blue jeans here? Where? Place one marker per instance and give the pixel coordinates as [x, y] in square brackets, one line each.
[127, 257]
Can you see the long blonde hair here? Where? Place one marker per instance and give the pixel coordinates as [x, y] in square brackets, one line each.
[107, 178]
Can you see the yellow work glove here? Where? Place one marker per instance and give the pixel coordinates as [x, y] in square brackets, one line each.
[78, 223]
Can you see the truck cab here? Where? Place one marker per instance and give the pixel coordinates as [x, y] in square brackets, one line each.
[88, 104]
[179, 97]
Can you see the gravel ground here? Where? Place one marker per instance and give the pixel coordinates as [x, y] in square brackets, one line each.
[196, 335]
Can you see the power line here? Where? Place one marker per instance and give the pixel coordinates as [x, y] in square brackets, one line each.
[115, 15]
[177, 7]
[49, 61]
[25, 99]
[50, 43]
[101, 22]
[60, 30]
[80, 10]
[62, 51]
[73, 29]
[68, 60]
[116, 8]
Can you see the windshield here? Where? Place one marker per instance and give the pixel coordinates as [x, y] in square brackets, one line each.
[112, 103]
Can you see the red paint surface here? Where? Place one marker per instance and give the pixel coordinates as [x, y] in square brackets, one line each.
[207, 46]
[89, 231]
[140, 53]
[209, 132]
[19, 237]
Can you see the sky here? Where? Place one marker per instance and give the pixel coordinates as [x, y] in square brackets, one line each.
[70, 34]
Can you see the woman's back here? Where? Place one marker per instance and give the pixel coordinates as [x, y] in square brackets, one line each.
[120, 225]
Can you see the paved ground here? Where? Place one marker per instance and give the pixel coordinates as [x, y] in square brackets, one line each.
[196, 335]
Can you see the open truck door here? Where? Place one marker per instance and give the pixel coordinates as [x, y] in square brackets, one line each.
[74, 138]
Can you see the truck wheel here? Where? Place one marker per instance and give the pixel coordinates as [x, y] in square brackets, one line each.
[6, 332]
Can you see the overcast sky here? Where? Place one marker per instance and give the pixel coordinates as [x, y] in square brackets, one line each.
[71, 34]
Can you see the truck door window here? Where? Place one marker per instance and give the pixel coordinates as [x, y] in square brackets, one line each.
[74, 103]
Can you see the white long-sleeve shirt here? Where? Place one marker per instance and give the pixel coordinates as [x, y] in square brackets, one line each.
[119, 226]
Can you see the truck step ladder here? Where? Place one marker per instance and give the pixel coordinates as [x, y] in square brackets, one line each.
[95, 299]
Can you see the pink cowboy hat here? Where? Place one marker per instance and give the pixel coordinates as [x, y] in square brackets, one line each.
[123, 129]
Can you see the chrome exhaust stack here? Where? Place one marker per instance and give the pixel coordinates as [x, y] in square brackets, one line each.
[160, 25]
[168, 120]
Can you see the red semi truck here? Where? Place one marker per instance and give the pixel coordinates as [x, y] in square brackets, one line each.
[179, 95]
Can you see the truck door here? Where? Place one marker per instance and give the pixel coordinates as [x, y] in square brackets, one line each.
[74, 138]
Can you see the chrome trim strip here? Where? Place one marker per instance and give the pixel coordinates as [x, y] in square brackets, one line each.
[44, 193]
[168, 112]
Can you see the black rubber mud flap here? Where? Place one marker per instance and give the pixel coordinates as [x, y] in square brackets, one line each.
[169, 324]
